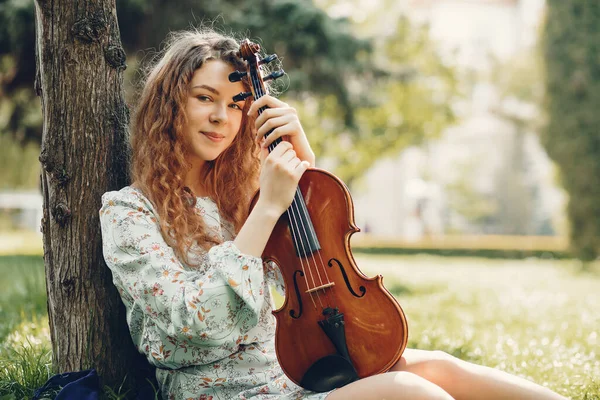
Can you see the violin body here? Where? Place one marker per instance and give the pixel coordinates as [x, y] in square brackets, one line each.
[374, 326]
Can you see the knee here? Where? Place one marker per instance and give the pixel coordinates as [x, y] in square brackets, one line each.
[441, 367]
[391, 385]
[415, 387]
[439, 355]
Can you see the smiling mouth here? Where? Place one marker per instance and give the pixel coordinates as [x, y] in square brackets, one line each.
[215, 137]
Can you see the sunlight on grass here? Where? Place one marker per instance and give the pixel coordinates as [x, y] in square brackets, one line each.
[25, 359]
[25, 350]
[33, 333]
[23, 297]
[535, 318]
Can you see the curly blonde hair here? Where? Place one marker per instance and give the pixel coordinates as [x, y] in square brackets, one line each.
[159, 146]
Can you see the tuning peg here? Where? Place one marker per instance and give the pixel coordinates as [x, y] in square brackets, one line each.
[237, 76]
[268, 59]
[241, 96]
[274, 75]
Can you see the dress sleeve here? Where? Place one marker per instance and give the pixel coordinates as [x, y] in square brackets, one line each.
[178, 315]
[274, 277]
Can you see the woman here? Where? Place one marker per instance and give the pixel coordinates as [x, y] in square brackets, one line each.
[185, 253]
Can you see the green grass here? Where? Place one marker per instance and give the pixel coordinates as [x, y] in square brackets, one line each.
[23, 294]
[25, 356]
[539, 319]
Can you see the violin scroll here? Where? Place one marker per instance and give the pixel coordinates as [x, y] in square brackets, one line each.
[249, 52]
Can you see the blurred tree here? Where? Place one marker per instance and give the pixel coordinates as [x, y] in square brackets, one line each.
[519, 86]
[321, 51]
[572, 138]
[513, 193]
[406, 100]
[466, 203]
[19, 108]
[14, 156]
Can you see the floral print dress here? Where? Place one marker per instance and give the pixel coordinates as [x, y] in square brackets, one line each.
[209, 329]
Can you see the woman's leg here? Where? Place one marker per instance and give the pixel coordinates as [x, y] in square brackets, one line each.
[464, 380]
[390, 386]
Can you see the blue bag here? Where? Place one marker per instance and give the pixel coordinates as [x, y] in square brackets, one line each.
[81, 385]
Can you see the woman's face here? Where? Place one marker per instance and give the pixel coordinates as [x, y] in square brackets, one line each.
[213, 117]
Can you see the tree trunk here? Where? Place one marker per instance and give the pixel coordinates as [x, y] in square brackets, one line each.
[80, 63]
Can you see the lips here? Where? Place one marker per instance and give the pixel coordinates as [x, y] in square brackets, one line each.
[215, 137]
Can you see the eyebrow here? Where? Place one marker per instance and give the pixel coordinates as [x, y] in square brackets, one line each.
[210, 89]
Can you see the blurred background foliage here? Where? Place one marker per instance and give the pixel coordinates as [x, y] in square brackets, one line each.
[333, 74]
[571, 48]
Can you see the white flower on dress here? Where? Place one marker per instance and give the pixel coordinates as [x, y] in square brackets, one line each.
[164, 273]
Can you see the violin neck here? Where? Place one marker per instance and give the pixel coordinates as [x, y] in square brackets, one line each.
[301, 227]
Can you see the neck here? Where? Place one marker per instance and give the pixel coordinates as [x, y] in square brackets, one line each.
[195, 178]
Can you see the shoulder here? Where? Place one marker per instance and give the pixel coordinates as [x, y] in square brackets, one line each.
[126, 201]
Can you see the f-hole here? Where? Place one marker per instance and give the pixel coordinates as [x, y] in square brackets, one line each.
[293, 312]
[362, 289]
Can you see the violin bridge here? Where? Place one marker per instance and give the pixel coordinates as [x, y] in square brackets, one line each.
[325, 286]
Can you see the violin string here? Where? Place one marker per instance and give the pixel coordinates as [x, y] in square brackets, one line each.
[294, 234]
[305, 210]
[312, 253]
[306, 234]
[259, 92]
[296, 218]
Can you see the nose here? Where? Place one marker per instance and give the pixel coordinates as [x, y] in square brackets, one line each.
[218, 114]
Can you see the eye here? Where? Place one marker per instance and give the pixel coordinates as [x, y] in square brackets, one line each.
[235, 106]
[203, 98]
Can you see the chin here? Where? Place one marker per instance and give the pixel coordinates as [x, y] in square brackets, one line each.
[211, 157]
[207, 156]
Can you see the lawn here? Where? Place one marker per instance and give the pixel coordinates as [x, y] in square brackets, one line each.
[24, 335]
[535, 318]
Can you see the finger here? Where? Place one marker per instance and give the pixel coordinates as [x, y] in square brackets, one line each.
[281, 148]
[270, 113]
[266, 101]
[283, 132]
[301, 168]
[272, 124]
[294, 163]
[263, 155]
[289, 155]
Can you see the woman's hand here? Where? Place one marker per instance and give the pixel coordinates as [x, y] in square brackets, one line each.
[283, 120]
[281, 170]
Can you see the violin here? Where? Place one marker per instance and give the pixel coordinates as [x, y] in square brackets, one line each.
[336, 325]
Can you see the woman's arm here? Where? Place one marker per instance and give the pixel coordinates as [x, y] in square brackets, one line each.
[171, 307]
[254, 234]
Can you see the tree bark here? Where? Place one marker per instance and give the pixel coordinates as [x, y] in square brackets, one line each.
[80, 63]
